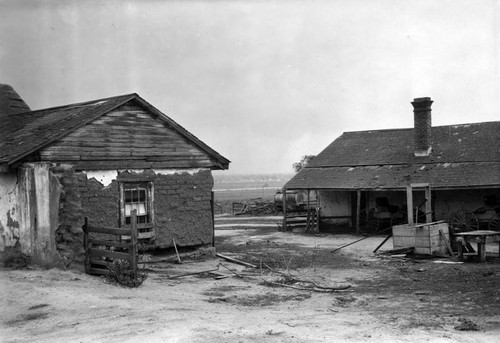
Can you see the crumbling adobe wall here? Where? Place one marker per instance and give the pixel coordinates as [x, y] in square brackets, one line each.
[99, 203]
[182, 204]
[69, 233]
[183, 208]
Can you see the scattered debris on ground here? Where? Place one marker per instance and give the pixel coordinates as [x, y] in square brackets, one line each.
[256, 207]
[467, 325]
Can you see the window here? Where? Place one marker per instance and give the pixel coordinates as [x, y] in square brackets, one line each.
[134, 198]
[137, 196]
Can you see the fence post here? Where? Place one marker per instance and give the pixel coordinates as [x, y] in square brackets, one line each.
[86, 245]
[284, 209]
[133, 243]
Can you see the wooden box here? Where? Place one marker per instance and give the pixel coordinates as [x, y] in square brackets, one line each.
[424, 237]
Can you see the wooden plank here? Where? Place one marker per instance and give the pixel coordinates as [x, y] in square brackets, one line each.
[108, 253]
[124, 164]
[428, 204]
[383, 242]
[419, 185]
[230, 259]
[133, 243]
[142, 235]
[409, 204]
[111, 144]
[115, 244]
[98, 271]
[116, 130]
[481, 251]
[358, 213]
[100, 262]
[108, 230]
[176, 252]
[445, 240]
[130, 149]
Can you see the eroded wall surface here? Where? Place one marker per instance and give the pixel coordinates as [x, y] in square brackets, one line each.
[43, 207]
[10, 226]
[182, 202]
[183, 208]
[69, 233]
[30, 200]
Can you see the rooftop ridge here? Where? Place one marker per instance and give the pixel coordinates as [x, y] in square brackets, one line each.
[89, 102]
[411, 128]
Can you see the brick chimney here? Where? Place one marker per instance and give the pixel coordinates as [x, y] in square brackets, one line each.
[422, 130]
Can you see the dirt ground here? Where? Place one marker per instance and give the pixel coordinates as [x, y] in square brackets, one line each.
[391, 299]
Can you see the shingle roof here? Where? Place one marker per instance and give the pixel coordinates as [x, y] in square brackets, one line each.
[463, 155]
[452, 143]
[10, 102]
[24, 133]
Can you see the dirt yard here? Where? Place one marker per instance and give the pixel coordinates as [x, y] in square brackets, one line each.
[390, 299]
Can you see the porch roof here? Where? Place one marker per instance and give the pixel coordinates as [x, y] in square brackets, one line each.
[395, 177]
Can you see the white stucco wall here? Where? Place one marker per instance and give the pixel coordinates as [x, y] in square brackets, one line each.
[29, 207]
[9, 211]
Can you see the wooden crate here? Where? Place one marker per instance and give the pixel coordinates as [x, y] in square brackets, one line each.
[424, 237]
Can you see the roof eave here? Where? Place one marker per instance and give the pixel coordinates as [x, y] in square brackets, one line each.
[224, 162]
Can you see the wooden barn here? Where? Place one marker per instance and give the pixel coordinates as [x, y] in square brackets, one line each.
[364, 180]
[99, 159]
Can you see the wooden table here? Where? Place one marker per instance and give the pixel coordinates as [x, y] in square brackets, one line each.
[481, 237]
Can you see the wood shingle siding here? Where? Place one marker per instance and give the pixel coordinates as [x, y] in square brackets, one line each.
[127, 137]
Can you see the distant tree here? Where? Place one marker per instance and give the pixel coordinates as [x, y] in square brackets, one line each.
[298, 166]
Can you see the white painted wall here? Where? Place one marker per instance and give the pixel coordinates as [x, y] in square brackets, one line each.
[334, 203]
[9, 233]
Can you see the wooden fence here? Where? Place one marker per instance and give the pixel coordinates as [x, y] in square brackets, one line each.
[109, 245]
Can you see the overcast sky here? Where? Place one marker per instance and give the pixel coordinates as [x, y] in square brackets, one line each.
[261, 82]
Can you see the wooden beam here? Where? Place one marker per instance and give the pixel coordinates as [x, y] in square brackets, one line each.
[446, 242]
[358, 210]
[428, 207]
[383, 242]
[133, 244]
[409, 204]
[108, 253]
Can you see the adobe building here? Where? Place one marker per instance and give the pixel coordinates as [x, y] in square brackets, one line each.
[99, 159]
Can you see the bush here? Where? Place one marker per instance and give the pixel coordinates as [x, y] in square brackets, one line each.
[120, 272]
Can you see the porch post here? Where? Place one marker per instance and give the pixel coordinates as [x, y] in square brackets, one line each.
[308, 220]
[428, 208]
[358, 210]
[409, 204]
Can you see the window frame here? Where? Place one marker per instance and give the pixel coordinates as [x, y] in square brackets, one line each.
[138, 184]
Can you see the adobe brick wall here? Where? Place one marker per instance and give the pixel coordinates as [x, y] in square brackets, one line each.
[100, 204]
[182, 205]
[183, 209]
[69, 233]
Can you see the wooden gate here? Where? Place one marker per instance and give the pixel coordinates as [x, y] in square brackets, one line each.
[107, 245]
